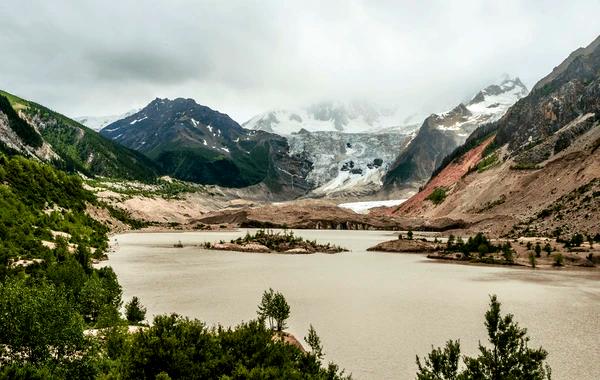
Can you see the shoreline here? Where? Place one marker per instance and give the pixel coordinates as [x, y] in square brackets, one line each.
[430, 254]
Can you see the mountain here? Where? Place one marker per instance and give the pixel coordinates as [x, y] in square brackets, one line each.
[98, 122]
[35, 131]
[535, 171]
[440, 134]
[195, 143]
[355, 117]
[347, 164]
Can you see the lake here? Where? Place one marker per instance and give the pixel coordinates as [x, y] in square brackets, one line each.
[373, 311]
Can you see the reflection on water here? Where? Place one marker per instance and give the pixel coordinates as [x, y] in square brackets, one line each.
[373, 311]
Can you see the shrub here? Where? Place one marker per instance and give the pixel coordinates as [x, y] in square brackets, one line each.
[532, 259]
[437, 196]
[558, 260]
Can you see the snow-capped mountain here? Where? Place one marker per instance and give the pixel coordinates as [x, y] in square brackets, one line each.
[355, 117]
[98, 122]
[441, 134]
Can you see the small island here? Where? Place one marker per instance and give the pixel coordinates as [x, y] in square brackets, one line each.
[525, 251]
[274, 242]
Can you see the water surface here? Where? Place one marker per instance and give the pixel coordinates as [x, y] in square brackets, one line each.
[373, 311]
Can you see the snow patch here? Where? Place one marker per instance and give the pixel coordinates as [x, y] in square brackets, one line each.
[138, 120]
[364, 207]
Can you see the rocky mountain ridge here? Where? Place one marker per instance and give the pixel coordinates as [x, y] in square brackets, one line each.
[440, 134]
[192, 142]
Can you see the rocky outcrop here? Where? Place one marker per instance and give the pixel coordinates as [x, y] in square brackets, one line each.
[408, 246]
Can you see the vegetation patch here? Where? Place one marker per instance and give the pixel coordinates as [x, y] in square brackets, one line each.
[282, 242]
[438, 195]
[488, 162]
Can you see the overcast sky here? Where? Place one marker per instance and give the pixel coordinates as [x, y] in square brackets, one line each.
[105, 57]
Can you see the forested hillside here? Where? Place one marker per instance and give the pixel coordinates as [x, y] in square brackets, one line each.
[69, 145]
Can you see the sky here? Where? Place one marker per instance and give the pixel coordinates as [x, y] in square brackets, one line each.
[246, 57]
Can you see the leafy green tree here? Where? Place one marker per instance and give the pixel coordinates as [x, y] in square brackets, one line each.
[92, 298]
[108, 316]
[314, 342]
[134, 311]
[509, 356]
[37, 324]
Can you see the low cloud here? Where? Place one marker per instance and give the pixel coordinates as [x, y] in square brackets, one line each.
[245, 57]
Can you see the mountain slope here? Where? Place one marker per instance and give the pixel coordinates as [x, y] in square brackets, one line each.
[355, 117]
[540, 173]
[68, 144]
[441, 134]
[195, 143]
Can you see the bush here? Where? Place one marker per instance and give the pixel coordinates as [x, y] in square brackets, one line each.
[558, 260]
[437, 196]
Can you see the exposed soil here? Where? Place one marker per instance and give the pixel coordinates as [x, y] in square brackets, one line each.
[501, 198]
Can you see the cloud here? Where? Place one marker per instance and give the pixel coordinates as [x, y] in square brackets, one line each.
[244, 57]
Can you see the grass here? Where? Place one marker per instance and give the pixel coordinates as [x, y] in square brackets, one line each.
[488, 162]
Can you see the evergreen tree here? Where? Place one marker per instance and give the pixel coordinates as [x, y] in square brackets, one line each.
[314, 342]
[280, 311]
[134, 311]
[509, 356]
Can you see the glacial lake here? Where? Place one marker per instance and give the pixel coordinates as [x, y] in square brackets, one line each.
[373, 311]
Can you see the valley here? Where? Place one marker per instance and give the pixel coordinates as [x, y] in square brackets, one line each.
[325, 196]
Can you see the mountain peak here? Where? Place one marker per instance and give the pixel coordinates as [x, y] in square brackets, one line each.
[588, 70]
